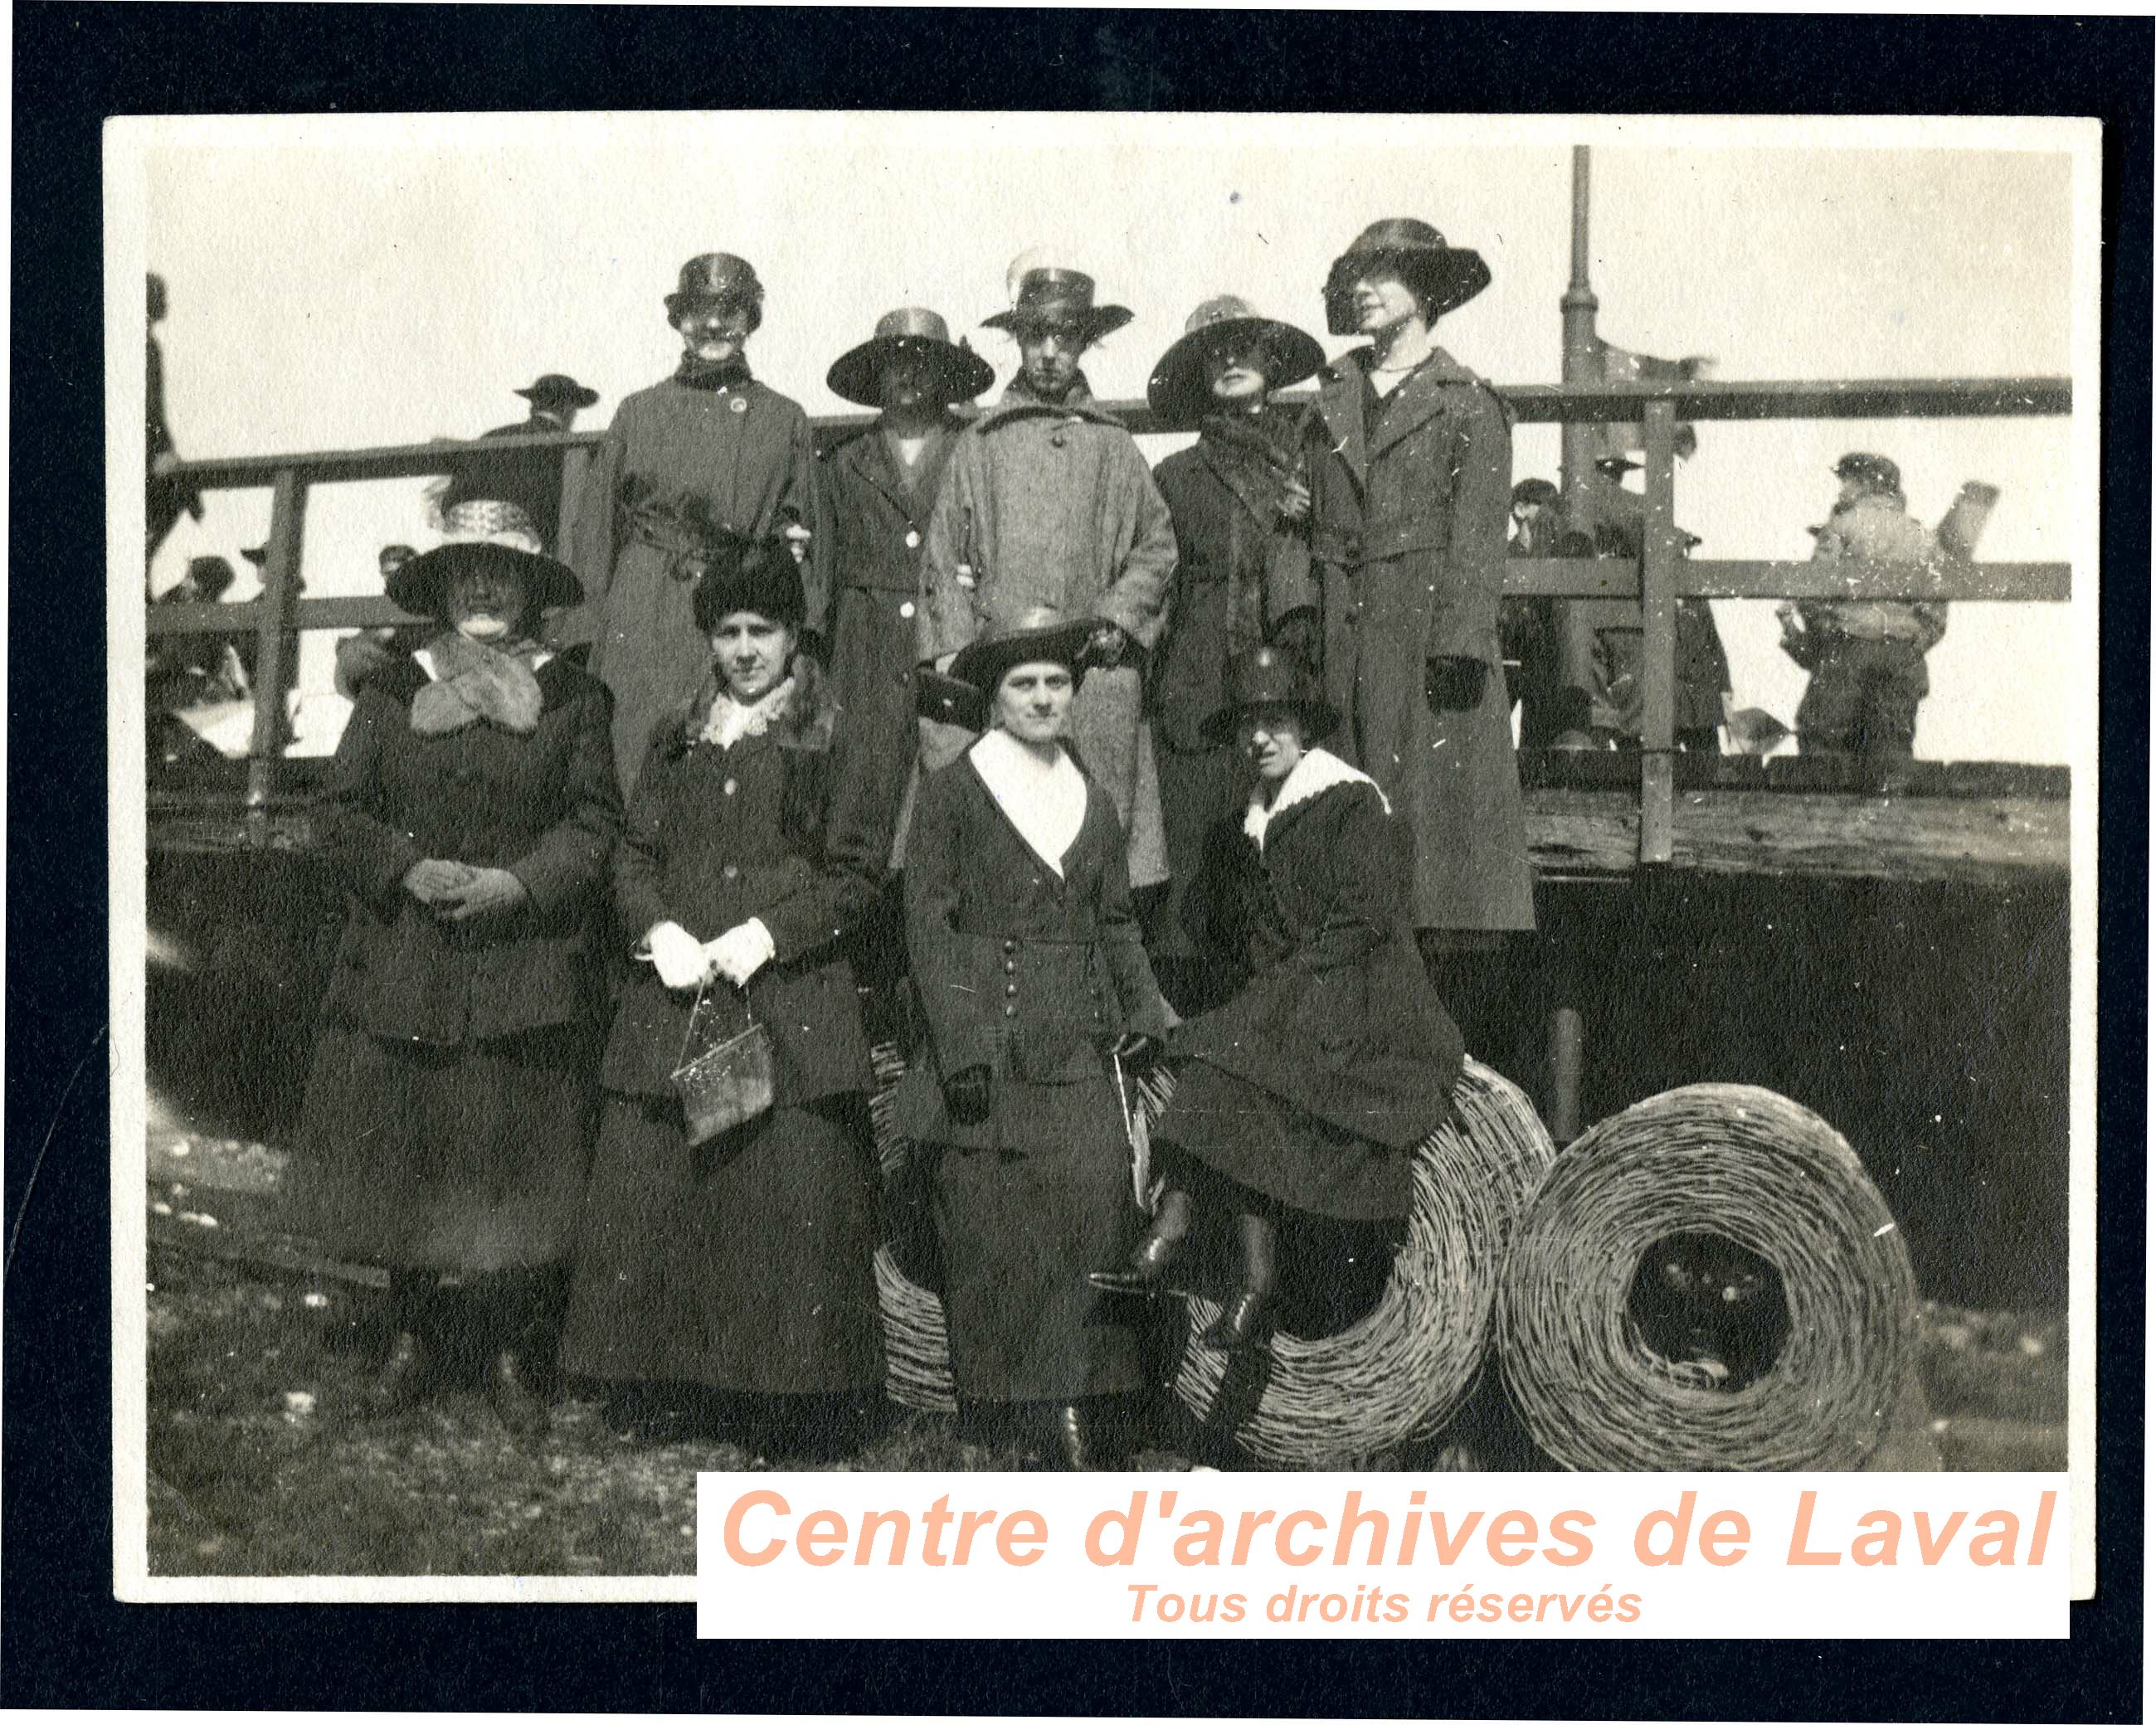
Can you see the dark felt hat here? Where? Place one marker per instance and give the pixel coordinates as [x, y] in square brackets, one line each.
[1042, 634]
[961, 374]
[211, 575]
[720, 278]
[1180, 390]
[1447, 276]
[1266, 677]
[755, 574]
[1539, 491]
[1875, 473]
[1050, 295]
[555, 390]
[476, 533]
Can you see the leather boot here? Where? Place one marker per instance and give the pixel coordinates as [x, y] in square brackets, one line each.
[516, 1403]
[1242, 1326]
[399, 1384]
[1145, 1272]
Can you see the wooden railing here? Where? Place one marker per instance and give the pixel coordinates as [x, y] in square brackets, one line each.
[1661, 576]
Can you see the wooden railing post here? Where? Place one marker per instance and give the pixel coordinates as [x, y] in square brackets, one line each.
[1658, 642]
[576, 466]
[273, 652]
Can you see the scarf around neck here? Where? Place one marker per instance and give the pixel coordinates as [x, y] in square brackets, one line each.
[475, 681]
[729, 720]
[703, 374]
[1255, 454]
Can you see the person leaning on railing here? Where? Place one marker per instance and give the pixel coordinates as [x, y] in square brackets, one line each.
[1867, 656]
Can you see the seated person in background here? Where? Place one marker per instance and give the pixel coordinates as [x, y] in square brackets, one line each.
[359, 656]
[1867, 656]
[1527, 625]
[196, 670]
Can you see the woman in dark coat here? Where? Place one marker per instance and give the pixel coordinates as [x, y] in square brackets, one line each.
[709, 450]
[1036, 990]
[1305, 1094]
[1242, 577]
[1411, 476]
[743, 1265]
[471, 813]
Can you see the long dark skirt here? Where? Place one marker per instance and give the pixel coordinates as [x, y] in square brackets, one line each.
[467, 1161]
[1018, 1232]
[1262, 1141]
[1197, 792]
[746, 1263]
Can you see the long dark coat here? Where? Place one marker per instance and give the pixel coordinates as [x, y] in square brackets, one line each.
[1034, 976]
[1055, 505]
[879, 514]
[446, 1120]
[746, 1262]
[737, 456]
[1337, 1020]
[1409, 509]
[1240, 568]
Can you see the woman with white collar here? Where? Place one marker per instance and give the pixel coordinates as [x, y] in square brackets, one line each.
[743, 1266]
[1038, 1003]
[1304, 1095]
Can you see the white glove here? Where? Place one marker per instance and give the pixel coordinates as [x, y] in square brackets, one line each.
[741, 952]
[677, 955]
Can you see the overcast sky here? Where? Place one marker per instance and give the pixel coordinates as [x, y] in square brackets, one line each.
[346, 283]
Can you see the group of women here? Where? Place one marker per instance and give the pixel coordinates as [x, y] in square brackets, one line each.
[498, 1111]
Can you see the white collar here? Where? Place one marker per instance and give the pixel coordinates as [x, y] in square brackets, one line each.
[1319, 771]
[1044, 799]
[730, 721]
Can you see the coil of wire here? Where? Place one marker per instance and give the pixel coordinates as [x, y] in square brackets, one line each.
[1730, 1162]
[1399, 1372]
[1396, 1374]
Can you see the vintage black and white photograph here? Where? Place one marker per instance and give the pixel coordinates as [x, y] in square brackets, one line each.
[914, 792]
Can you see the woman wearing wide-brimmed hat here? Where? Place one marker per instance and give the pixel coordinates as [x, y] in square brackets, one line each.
[1033, 985]
[741, 1260]
[1411, 475]
[1238, 500]
[472, 812]
[1304, 1095]
[708, 451]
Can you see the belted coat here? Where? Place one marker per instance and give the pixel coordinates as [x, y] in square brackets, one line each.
[542, 805]
[1410, 500]
[715, 836]
[1055, 505]
[1029, 973]
[679, 458]
[879, 512]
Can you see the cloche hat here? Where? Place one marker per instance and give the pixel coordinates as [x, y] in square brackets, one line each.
[1266, 677]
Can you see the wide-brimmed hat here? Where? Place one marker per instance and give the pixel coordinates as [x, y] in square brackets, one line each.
[1180, 390]
[1448, 276]
[477, 533]
[1266, 677]
[857, 374]
[1042, 634]
[718, 276]
[1051, 294]
[555, 390]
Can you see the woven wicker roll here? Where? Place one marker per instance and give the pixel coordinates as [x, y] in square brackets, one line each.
[1754, 1168]
[1400, 1371]
[1396, 1374]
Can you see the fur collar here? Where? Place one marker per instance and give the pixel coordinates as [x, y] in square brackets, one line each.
[1319, 770]
[799, 713]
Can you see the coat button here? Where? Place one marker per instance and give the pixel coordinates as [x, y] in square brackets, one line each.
[730, 787]
[1011, 988]
[730, 871]
[1010, 946]
[913, 539]
[906, 607]
[1010, 967]
[1010, 1012]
